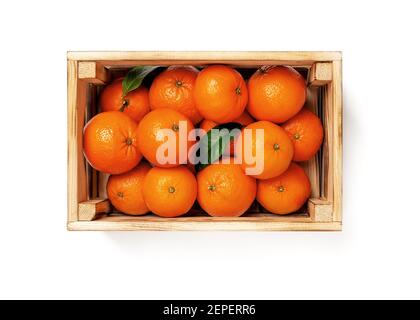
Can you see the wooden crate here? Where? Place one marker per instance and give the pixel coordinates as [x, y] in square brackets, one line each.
[88, 208]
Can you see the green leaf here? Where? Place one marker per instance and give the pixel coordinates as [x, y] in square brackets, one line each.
[135, 77]
[215, 143]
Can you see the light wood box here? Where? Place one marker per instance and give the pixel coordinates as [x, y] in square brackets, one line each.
[88, 208]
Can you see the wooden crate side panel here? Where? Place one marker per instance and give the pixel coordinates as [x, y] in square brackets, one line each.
[76, 169]
[127, 58]
[312, 167]
[337, 141]
[327, 148]
[108, 224]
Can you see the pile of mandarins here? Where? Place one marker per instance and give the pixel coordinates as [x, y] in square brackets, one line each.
[123, 140]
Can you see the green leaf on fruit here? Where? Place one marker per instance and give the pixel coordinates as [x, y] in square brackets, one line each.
[216, 140]
[135, 77]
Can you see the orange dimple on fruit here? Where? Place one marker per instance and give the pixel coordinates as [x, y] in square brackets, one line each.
[224, 190]
[173, 89]
[220, 93]
[125, 190]
[285, 193]
[306, 132]
[109, 142]
[151, 136]
[170, 192]
[276, 93]
[135, 104]
[277, 148]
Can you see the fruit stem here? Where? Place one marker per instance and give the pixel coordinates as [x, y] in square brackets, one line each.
[238, 91]
[178, 83]
[129, 141]
[212, 187]
[280, 189]
[171, 189]
[124, 105]
[276, 146]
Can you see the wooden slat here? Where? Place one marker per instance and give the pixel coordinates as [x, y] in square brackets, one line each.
[126, 223]
[320, 210]
[72, 147]
[295, 58]
[312, 167]
[320, 73]
[92, 209]
[76, 169]
[92, 72]
[102, 182]
[337, 140]
[327, 148]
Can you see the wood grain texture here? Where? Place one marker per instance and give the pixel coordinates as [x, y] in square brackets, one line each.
[320, 210]
[102, 182]
[92, 209]
[327, 148]
[338, 140]
[93, 72]
[124, 223]
[130, 58]
[76, 170]
[312, 167]
[320, 73]
[72, 147]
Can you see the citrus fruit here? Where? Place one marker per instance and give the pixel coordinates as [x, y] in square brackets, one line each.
[109, 142]
[285, 193]
[276, 93]
[207, 125]
[306, 132]
[224, 190]
[173, 88]
[276, 147]
[151, 137]
[244, 119]
[220, 93]
[125, 190]
[135, 104]
[170, 192]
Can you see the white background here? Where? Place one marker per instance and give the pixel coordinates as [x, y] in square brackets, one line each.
[377, 254]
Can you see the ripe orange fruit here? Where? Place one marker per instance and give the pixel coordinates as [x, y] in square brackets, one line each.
[224, 190]
[277, 148]
[220, 93]
[306, 132]
[170, 192]
[109, 142]
[135, 104]
[285, 193]
[125, 190]
[207, 125]
[150, 136]
[173, 89]
[244, 119]
[276, 93]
